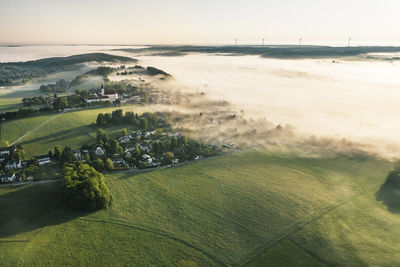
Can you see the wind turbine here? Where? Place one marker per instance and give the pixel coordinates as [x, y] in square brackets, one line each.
[300, 41]
[348, 44]
[236, 40]
[263, 41]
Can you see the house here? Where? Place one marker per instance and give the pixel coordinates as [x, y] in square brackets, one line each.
[43, 160]
[198, 157]
[130, 149]
[175, 161]
[145, 149]
[173, 135]
[99, 151]
[7, 178]
[13, 165]
[76, 154]
[151, 162]
[145, 157]
[116, 160]
[25, 163]
[96, 98]
[110, 94]
[124, 139]
[6, 151]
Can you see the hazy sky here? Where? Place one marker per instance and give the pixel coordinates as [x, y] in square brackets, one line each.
[199, 22]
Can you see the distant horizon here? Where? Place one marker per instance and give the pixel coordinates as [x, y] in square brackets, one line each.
[305, 44]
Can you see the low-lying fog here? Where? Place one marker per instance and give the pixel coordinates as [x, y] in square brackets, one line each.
[353, 99]
[356, 98]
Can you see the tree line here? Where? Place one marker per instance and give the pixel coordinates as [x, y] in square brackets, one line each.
[147, 120]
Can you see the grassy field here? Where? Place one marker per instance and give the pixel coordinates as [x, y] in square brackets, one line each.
[250, 208]
[9, 104]
[12, 130]
[70, 128]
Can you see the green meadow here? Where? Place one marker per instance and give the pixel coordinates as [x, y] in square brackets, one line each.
[254, 208]
[71, 128]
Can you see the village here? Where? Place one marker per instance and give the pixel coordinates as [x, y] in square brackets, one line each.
[150, 143]
[147, 147]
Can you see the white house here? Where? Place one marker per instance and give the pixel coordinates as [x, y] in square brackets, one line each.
[43, 160]
[99, 151]
[112, 95]
[7, 178]
[6, 151]
[76, 154]
[96, 98]
[13, 165]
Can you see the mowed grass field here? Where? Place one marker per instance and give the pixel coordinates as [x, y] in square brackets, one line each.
[9, 104]
[12, 130]
[251, 208]
[71, 128]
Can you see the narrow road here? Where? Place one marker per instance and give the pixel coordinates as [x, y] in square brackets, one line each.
[37, 127]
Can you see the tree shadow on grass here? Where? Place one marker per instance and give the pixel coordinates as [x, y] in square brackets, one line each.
[30, 207]
[390, 196]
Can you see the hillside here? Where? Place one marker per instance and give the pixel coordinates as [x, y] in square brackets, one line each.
[71, 60]
[251, 207]
[69, 128]
[13, 73]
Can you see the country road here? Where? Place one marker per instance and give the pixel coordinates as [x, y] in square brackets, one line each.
[37, 127]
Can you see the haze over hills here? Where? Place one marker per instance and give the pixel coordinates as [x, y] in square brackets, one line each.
[233, 133]
[271, 51]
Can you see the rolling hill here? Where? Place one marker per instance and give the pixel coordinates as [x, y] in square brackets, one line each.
[70, 128]
[251, 208]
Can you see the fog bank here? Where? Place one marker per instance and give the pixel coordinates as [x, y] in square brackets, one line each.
[352, 99]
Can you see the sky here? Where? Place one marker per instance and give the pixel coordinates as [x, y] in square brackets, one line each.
[199, 22]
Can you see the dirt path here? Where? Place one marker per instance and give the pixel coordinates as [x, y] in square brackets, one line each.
[37, 127]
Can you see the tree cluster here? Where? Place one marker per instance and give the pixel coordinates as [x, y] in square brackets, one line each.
[84, 188]
[58, 87]
[145, 121]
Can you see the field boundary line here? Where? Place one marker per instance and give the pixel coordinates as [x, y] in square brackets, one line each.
[312, 254]
[298, 224]
[35, 128]
[156, 232]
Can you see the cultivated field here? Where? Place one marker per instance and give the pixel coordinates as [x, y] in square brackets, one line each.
[249, 208]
